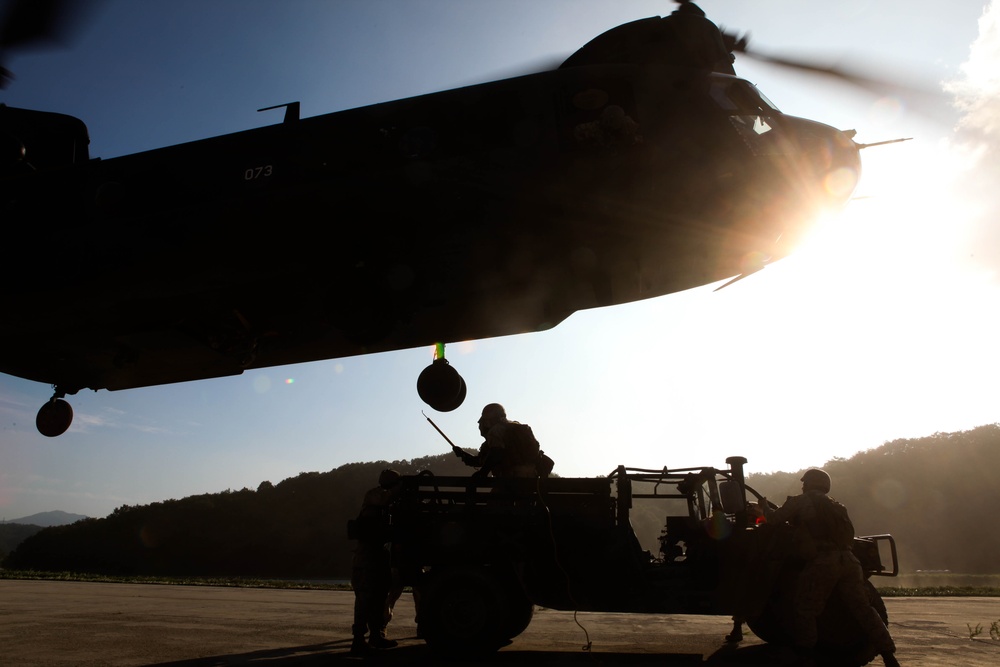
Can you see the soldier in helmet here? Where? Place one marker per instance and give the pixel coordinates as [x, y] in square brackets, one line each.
[509, 449]
[371, 576]
[826, 527]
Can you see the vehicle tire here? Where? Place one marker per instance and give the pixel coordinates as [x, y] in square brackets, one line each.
[839, 636]
[520, 611]
[774, 624]
[876, 601]
[466, 611]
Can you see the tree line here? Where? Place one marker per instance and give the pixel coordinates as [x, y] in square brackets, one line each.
[937, 495]
[12, 534]
[294, 529]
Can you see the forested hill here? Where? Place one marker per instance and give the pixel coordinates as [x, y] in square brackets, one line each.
[294, 529]
[937, 495]
[12, 534]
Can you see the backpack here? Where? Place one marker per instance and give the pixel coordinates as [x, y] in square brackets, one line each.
[544, 465]
[520, 446]
[521, 449]
[833, 526]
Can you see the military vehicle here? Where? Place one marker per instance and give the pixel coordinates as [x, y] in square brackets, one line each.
[480, 553]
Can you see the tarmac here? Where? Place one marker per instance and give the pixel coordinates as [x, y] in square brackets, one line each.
[87, 624]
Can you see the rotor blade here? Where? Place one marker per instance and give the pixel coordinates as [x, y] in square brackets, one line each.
[739, 278]
[536, 65]
[921, 96]
[28, 22]
[31, 23]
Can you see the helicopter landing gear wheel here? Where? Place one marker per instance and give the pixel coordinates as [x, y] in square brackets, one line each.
[55, 417]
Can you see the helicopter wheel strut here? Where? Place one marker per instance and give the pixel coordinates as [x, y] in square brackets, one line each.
[55, 417]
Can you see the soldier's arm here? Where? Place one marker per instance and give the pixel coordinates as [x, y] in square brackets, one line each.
[490, 462]
[786, 512]
[474, 460]
[491, 456]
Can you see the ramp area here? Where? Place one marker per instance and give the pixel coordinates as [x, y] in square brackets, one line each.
[47, 623]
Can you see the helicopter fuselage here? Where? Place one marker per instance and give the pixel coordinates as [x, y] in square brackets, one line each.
[490, 210]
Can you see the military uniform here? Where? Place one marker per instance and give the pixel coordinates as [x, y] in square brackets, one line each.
[831, 568]
[509, 448]
[371, 575]
[493, 456]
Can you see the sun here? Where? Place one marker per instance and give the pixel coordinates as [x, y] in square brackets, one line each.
[907, 217]
[907, 318]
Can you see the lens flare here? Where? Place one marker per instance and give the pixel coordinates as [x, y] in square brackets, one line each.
[840, 183]
[887, 110]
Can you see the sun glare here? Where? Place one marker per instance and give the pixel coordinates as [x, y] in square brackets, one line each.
[908, 219]
[907, 319]
[874, 329]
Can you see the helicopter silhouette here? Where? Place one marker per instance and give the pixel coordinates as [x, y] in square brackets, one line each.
[629, 172]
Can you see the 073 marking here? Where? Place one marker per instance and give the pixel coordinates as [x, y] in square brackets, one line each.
[255, 173]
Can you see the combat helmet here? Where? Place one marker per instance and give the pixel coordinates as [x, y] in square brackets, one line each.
[816, 479]
[388, 478]
[494, 412]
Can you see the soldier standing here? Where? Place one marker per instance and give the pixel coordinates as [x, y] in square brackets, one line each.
[371, 576]
[826, 526]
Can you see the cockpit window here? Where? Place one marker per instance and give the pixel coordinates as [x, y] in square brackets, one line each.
[759, 134]
[737, 95]
[753, 116]
[768, 103]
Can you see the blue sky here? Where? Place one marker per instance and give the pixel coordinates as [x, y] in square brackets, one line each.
[883, 326]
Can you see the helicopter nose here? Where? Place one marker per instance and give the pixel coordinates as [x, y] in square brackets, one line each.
[842, 167]
[832, 161]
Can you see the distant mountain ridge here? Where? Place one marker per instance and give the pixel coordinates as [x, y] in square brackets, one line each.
[936, 495]
[12, 534]
[296, 528]
[47, 519]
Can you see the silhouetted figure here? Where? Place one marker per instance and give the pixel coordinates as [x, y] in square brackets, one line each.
[371, 576]
[696, 41]
[509, 450]
[826, 529]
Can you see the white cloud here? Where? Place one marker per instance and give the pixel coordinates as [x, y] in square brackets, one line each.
[976, 94]
[977, 90]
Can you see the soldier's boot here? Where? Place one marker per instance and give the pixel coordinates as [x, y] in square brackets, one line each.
[884, 644]
[359, 647]
[736, 635]
[379, 641]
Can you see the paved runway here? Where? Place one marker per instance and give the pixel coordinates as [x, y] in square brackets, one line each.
[82, 624]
